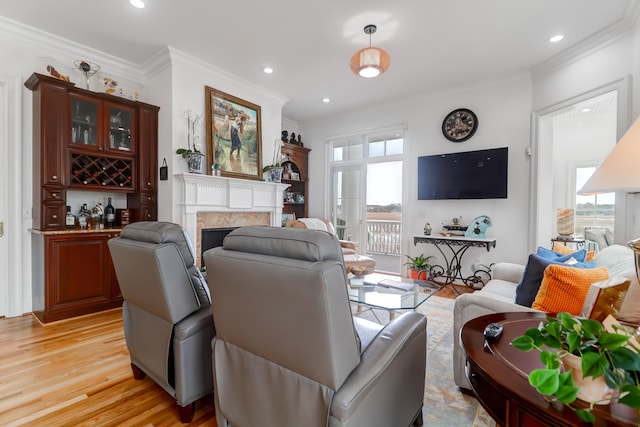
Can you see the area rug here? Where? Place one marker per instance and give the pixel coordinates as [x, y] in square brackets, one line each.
[444, 404]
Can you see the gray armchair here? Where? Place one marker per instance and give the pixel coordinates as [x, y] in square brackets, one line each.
[287, 351]
[167, 318]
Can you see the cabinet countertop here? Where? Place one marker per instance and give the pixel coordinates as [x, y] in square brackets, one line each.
[74, 231]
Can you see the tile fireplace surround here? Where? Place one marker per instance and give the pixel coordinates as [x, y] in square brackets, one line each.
[212, 202]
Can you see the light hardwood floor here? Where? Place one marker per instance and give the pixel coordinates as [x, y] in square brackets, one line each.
[76, 372]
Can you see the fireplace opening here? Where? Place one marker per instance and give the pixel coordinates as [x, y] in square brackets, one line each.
[212, 238]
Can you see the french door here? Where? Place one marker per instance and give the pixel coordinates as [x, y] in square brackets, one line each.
[348, 203]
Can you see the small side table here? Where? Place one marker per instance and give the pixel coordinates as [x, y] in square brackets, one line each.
[578, 242]
[498, 373]
[452, 268]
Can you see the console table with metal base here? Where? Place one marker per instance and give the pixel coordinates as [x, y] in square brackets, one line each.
[452, 268]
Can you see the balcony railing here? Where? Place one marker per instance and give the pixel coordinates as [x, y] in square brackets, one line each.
[384, 237]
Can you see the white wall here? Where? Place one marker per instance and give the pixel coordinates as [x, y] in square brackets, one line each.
[189, 78]
[503, 114]
[175, 81]
[578, 141]
[24, 50]
[171, 80]
[607, 65]
[583, 74]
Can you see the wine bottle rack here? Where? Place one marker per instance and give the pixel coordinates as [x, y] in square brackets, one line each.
[101, 171]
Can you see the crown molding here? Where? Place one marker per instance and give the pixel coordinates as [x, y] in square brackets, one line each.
[290, 125]
[177, 55]
[56, 45]
[158, 62]
[595, 42]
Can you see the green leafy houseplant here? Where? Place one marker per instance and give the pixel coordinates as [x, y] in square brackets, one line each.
[603, 354]
[419, 264]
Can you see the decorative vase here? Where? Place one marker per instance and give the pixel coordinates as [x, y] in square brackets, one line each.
[592, 390]
[565, 225]
[276, 174]
[195, 162]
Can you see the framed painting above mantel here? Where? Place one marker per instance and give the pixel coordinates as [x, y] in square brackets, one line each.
[234, 140]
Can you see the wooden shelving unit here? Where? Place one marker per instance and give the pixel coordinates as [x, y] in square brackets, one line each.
[94, 142]
[296, 198]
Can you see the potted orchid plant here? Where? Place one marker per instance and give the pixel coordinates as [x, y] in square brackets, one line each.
[192, 153]
[273, 172]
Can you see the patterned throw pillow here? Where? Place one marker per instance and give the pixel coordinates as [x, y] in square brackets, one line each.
[598, 236]
[565, 288]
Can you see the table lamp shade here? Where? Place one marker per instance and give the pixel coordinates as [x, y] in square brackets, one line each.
[620, 170]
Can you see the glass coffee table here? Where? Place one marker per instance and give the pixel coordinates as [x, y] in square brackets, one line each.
[393, 294]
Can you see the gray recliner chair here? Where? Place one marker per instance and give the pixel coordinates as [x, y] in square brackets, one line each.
[287, 351]
[166, 312]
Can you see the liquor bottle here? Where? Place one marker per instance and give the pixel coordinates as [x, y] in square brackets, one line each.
[83, 218]
[110, 214]
[71, 218]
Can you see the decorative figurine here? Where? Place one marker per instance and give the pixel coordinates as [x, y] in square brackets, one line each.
[478, 227]
[427, 229]
[285, 136]
[87, 68]
[293, 138]
[300, 140]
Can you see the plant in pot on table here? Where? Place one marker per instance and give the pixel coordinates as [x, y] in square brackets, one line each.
[418, 267]
[585, 361]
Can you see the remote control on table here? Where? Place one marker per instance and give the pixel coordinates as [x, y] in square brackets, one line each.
[492, 332]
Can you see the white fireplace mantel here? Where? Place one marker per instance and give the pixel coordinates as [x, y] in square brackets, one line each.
[206, 193]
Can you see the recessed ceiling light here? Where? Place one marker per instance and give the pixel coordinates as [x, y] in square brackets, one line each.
[267, 70]
[586, 110]
[557, 38]
[326, 100]
[137, 3]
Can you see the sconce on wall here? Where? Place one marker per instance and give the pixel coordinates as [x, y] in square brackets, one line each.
[371, 61]
[164, 170]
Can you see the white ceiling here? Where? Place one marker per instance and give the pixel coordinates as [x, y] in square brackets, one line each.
[433, 44]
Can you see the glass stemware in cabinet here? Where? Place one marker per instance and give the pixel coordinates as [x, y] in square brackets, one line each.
[120, 130]
[83, 122]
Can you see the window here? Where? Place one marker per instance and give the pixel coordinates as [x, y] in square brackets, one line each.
[592, 211]
[350, 148]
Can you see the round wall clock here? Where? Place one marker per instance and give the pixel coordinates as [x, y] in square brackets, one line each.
[459, 125]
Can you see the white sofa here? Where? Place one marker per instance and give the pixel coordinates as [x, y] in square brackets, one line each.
[498, 296]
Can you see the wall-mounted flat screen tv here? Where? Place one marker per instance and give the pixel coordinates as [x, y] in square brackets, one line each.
[468, 175]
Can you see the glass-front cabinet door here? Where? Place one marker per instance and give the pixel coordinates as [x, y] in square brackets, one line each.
[85, 119]
[121, 136]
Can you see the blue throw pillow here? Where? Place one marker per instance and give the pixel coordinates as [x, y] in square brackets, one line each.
[531, 279]
[579, 256]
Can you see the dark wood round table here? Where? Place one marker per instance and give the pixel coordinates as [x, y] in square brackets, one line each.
[498, 373]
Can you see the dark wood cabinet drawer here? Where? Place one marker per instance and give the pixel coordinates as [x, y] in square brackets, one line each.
[53, 195]
[53, 215]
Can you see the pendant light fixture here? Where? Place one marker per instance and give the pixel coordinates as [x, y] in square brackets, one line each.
[371, 61]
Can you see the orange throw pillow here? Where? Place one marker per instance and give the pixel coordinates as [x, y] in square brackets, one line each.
[565, 288]
[562, 249]
[566, 250]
